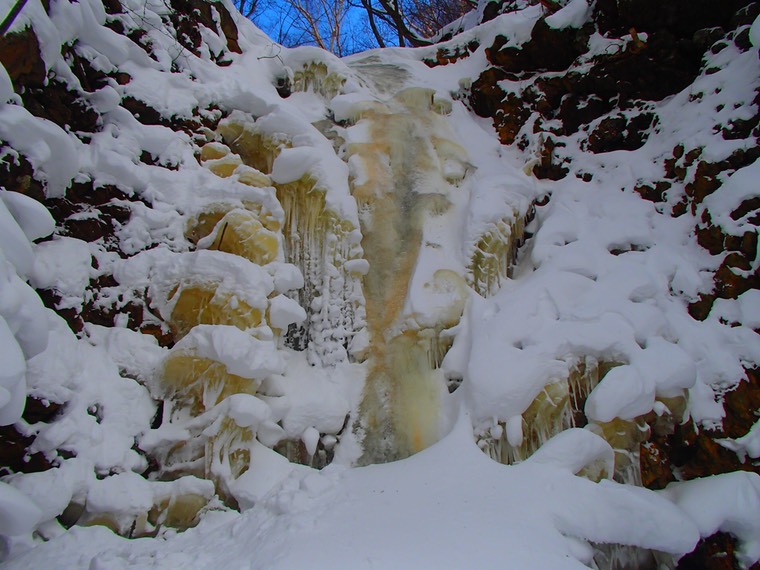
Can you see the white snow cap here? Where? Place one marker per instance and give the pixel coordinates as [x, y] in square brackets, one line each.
[241, 353]
[18, 514]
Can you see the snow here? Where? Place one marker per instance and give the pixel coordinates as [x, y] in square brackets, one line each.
[606, 276]
[32, 217]
[754, 32]
[727, 503]
[286, 277]
[63, 264]
[574, 449]
[54, 154]
[12, 377]
[572, 15]
[747, 445]
[284, 311]
[22, 330]
[6, 86]
[395, 515]
[16, 247]
[241, 353]
[737, 188]
[162, 270]
[18, 514]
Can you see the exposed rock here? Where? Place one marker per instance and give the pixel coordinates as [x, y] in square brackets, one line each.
[654, 193]
[717, 552]
[549, 167]
[103, 205]
[20, 55]
[187, 15]
[444, 56]
[142, 112]
[548, 49]
[51, 300]
[14, 454]
[648, 70]
[742, 405]
[17, 175]
[620, 133]
[486, 95]
[681, 17]
[89, 78]
[61, 106]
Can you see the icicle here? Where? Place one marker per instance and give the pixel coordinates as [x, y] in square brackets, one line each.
[315, 77]
[315, 238]
[495, 253]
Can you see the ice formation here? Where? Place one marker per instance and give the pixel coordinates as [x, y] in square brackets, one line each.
[274, 270]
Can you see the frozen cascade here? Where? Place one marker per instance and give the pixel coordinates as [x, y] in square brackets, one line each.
[268, 259]
[316, 239]
[399, 187]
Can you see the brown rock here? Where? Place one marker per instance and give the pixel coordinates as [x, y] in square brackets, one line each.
[710, 237]
[20, 55]
[700, 309]
[620, 133]
[90, 79]
[656, 471]
[716, 552]
[742, 405]
[188, 15]
[486, 95]
[17, 175]
[51, 299]
[705, 181]
[728, 283]
[65, 108]
[510, 118]
[654, 193]
[696, 454]
[746, 207]
[142, 112]
[548, 49]
[14, 447]
[549, 167]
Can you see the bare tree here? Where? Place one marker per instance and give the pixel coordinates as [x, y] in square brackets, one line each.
[247, 8]
[320, 22]
[326, 23]
[412, 22]
[430, 16]
[293, 23]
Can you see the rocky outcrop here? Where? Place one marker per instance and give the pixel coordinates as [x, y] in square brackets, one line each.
[555, 96]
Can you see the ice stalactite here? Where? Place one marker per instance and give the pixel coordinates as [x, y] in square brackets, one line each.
[560, 406]
[494, 254]
[255, 149]
[219, 309]
[323, 247]
[316, 239]
[400, 182]
[315, 76]
[225, 307]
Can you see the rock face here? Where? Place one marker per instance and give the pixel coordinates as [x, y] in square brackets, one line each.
[557, 95]
[259, 260]
[660, 54]
[90, 217]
